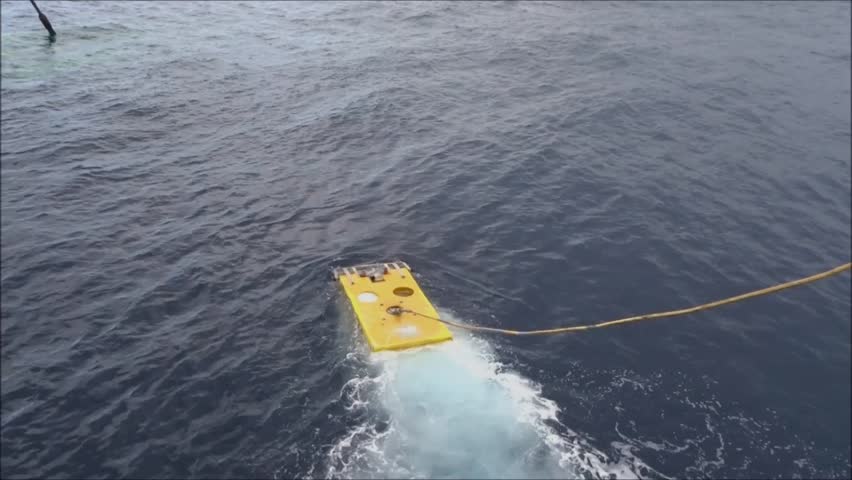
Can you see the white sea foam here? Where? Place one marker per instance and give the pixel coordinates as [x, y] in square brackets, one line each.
[452, 411]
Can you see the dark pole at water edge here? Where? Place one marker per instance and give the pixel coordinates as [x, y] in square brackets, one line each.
[44, 21]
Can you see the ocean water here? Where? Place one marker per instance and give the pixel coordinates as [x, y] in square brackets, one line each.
[177, 179]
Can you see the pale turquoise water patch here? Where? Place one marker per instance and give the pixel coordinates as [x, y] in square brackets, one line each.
[82, 52]
[453, 411]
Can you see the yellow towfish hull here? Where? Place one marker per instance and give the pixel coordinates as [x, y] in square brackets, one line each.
[374, 288]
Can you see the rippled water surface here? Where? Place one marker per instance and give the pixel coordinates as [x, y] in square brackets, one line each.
[178, 178]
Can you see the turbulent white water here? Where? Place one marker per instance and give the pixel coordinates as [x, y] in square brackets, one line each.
[452, 411]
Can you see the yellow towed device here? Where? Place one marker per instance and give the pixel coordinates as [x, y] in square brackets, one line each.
[384, 297]
[395, 314]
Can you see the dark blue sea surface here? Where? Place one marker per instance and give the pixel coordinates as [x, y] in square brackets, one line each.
[179, 177]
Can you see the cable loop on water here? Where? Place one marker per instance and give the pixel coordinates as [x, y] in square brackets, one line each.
[649, 316]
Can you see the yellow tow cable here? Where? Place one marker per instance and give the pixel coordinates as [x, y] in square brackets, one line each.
[650, 316]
